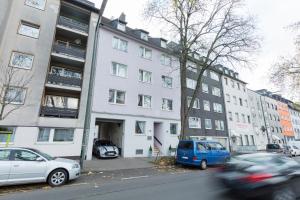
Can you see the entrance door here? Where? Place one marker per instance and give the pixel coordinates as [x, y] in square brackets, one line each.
[158, 135]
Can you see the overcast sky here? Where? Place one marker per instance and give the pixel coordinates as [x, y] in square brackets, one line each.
[273, 16]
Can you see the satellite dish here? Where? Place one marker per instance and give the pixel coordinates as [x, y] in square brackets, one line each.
[78, 41]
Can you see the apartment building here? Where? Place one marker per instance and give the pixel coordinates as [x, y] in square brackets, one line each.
[258, 120]
[50, 41]
[295, 117]
[241, 132]
[136, 102]
[207, 119]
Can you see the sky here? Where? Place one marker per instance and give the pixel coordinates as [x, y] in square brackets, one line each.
[272, 17]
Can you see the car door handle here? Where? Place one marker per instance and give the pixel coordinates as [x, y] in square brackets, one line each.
[16, 165]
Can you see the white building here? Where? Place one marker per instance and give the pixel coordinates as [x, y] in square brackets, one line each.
[295, 115]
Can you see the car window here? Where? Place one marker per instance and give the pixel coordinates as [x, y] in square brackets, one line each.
[273, 146]
[22, 155]
[295, 147]
[186, 145]
[219, 146]
[4, 154]
[201, 147]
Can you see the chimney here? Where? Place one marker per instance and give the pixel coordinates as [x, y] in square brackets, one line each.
[122, 18]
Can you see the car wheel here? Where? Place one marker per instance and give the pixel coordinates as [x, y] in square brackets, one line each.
[203, 164]
[58, 177]
[284, 194]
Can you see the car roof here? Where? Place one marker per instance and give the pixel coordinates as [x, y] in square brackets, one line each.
[204, 141]
[17, 148]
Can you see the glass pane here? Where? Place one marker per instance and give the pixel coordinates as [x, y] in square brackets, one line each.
[120, 97]
[29, 30]
[21, 60]
[15, 95]
[140, 100]
[40, 4]
[111, 96]
[63, 135]
[147, 101]
[123, 45]
[72, 103]
[115, 42]
[122, 71]
[140, 127]
[20, 155]
[4, 154]
[44, 135]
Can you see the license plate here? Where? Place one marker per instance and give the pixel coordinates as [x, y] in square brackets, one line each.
[184, 157]
[111, 154]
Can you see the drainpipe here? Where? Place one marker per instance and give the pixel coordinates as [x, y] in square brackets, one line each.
[87, 120]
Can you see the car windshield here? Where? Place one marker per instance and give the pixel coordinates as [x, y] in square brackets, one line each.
[104, 143]
[48, 157]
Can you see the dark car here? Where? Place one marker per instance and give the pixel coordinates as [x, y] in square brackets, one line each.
[261, 175]
[105, 149]
[274, 148]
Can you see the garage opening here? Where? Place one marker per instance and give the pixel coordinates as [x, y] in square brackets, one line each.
[110, 130]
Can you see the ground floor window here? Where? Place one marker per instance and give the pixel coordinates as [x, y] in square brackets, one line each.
[7, 134]
[140, 127]
[55, 135]
[173, 129]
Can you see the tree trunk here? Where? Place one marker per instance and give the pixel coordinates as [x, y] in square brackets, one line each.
[183, 98]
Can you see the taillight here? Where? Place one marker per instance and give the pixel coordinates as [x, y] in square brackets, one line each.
[254, 178]
[195, 158]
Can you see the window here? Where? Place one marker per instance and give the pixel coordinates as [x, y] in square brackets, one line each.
[165, 60]
[235, 100]
[216, 91]
[144, 36]
[167, 81]
[21, 60]
[247, 140]
[196, 102]
[246, 103]
[243, 118]
[63, 135]
[121, 26]
[144, 101]
[44, 135]
[140, 127]
[39, 4]
[28, 29]
[226, 80]
[145, 53]
[4, 154]
[237, 117]
[194, 122]
[241, 101]
[206, 105]
[192, 68]
[228, 98]
[200, 147]
[145, 76]
[217, 107]
[118, 69]
[238, 86]
[120, 44]
[219, 125]
[173, 129]
[230, 116]
[205, 88]
[116, 96]
[252, 140]
[208, 124]
[214, 76]
[22, 155]
[232, 83]
[7, 134]
[167, 104]
[15, 95]
[190, 83]
[61, 102]
[163, 44]
[249, 120]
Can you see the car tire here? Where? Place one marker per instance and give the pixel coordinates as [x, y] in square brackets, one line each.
[58, 177]
[284, 194]
[203, 165]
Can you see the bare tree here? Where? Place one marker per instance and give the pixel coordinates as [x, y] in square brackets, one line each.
[13, 85]
[213, 28]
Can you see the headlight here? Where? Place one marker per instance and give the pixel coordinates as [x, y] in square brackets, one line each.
[75, 166]
[102, 149]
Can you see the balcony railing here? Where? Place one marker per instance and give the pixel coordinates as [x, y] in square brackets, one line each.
[73, 24]
[65, 81]
[59, 112]
[67, 49]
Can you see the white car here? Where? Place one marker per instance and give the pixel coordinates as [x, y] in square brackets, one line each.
[26, 165]
[294, 150]
[105, 149]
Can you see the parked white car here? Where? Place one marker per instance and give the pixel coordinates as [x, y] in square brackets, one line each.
[26, 165]
[294, 150]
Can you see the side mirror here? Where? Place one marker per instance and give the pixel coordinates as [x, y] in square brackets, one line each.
[40, 159]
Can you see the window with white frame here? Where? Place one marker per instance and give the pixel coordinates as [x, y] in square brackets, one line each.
[39, 4]
[190, 83]
[7, 134]
[44, 135]
[196, 104]
[167, 81]
[120, 44]
[28, 29]
[167, 104]
[15, 95]
[206, 105]
[173, 129]
[121, 26]
[21, 60]
[214, 76]
[116, 96]
[144, 36]
[208, 124]
[118, 69]
[165, 60]
[205, 88]
[216, 91]
[163, 43]
[194, 122]
[235, 100]
[145, 53]
[145, 76]
[140, 127]
[192, 68]
[217, 107]
[230, 116]
[144, 101]
[219, 125]
[63, 135]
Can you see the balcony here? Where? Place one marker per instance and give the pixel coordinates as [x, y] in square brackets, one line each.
[68, 50]
[59, 112]
[73, 25]
[63, 82]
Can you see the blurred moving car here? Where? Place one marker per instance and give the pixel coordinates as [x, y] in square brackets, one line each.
[201, 153]
[261, 175]
[27, 165]
[276, 148]
[105, 149]
[294, 150]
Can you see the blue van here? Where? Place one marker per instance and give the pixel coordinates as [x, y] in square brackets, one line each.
[201, 153]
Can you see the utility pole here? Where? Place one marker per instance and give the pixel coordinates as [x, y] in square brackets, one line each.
[87, 121]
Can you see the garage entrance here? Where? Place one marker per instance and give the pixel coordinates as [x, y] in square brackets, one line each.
[112, 130]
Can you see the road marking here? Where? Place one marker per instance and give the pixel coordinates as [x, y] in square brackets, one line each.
[76, 184]
[134, 177]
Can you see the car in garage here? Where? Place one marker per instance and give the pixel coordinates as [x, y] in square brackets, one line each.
[105, 149]
[27, 165]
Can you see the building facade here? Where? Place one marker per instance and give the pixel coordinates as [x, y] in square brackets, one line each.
[295, 116]
[51, 42]
[136, 101]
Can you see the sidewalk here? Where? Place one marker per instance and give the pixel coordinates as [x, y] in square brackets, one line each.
[99, 165]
